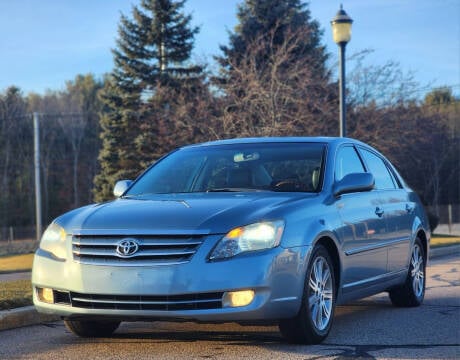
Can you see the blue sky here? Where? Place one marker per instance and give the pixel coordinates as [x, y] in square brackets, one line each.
[43, 43]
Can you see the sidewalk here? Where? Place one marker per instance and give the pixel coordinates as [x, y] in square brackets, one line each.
[23, 275]
[444, 229]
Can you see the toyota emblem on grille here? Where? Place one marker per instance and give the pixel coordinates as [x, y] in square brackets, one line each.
[127, 247]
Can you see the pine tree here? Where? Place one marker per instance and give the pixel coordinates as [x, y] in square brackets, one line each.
[154, 45]
[153, 49]
[275, 19]
[119, 122]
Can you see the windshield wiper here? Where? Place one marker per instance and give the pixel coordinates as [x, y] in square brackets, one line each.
[130, 196]
[134, 196]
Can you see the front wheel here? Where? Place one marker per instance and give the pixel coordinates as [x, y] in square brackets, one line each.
[91, 328]
[411, 294]
[313, 322]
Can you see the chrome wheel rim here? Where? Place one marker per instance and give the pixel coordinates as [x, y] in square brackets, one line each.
[417, 271]
[320, 293]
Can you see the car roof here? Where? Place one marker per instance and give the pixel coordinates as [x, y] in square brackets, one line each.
[290, 139]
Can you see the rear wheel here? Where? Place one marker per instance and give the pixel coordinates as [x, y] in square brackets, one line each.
[84, 328]
[413, 291]
[313, 322]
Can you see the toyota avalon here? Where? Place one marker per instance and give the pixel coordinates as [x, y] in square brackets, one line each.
[244, 230]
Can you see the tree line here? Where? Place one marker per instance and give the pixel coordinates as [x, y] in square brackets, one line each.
[69, 144]
[274, 78]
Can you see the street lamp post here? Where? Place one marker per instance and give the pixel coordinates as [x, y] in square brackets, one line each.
[341, 33]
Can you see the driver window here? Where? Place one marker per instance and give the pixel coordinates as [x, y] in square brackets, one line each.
[347, 162]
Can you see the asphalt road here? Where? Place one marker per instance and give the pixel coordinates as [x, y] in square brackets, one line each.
[367, 329]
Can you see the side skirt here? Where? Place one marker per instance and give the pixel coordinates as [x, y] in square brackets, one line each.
[372, 286]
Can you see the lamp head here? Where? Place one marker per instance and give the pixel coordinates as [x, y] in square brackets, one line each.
[341, 27]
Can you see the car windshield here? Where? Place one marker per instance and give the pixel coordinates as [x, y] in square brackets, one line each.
[235, 167]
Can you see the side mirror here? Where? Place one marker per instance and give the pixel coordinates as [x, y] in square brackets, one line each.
[354, 182]
[121, 186]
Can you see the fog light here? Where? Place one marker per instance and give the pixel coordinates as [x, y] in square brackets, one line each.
[45, 295]
[237, 298]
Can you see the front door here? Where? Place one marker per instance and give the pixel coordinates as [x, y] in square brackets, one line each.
[363, 233]
[363, 226]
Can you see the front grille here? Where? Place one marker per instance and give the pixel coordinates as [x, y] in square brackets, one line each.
[152, 249]
[200, 301]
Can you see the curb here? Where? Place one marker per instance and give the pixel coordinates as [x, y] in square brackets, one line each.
[444, 250]
[25, 316]
[6, 272]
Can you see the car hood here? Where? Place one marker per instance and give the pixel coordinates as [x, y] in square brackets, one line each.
[180, 213]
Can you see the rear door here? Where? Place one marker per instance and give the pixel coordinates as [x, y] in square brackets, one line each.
[397, 207]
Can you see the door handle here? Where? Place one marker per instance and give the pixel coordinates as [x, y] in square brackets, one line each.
[379, 212]
[409, 208]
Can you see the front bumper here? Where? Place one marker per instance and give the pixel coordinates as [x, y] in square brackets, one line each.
[175, 292]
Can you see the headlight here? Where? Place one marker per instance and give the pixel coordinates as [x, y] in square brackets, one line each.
[258, 236]
[53, 241]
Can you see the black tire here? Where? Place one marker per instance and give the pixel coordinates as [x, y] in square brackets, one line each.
[412, 292]
[306, 327]
[84, 328]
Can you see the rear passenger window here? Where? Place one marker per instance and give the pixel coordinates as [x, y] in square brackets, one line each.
[347, 162]
[378, 168]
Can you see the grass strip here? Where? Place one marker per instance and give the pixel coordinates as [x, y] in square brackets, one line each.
[14, 294]
[16, 263]
[444, 240]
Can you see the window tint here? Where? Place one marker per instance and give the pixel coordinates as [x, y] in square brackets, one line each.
[347, 162]
[235, 167]
[383, 179]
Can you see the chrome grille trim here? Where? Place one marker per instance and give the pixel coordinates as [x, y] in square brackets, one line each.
[138, 232]
[109, 252]
[200, 301]
[159, 242]
[153, 249]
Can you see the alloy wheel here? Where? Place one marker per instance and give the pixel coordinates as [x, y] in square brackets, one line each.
[320, 299]
[417, 271]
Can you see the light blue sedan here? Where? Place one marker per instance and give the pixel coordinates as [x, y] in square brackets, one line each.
[271, 229]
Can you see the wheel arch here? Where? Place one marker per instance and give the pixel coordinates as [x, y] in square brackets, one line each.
[331, 248]
[424, 239]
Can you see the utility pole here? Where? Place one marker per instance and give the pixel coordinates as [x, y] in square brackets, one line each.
[38, 195]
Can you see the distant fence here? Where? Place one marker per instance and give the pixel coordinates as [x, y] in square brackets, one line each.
[13, 233]
[449, 218]
[447, 213]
